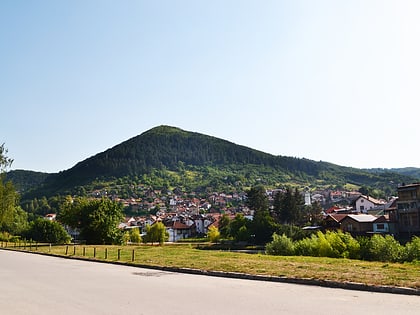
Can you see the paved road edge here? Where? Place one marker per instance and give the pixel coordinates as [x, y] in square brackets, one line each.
[234, 275]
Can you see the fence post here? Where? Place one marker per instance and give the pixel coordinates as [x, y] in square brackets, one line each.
[74, 250]
[50, 248]
[67, 249]
[119, 253]
[94, 252]
[84, 251]
[132, 255]
[106, 253]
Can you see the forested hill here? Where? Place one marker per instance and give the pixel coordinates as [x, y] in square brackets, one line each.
[173, 149]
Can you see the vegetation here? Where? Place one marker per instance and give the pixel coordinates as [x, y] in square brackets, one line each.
[46, 231]
[213, 234]
[166, 157]
[343, 245]
[156, 234]
[96, 219]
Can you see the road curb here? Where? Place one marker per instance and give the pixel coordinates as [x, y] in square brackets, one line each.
[236, 275]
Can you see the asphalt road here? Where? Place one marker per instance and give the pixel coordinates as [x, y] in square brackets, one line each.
[35, 284]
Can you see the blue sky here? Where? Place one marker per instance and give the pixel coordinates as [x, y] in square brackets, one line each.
[336, 81]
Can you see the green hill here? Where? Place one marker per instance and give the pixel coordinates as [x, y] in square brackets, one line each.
[169, 156]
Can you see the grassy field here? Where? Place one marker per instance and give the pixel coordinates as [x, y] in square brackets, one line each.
[188, 256]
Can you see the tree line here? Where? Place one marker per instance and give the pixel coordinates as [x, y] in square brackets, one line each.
[288, 212]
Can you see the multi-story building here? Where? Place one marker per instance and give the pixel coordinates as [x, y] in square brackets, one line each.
[408, 209]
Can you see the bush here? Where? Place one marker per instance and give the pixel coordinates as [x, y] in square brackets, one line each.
[293, 232]
[213, 234]
[412, 250]
[135, 236]
[281, 245]
[352, 246]
[306, 246]
[387, 249]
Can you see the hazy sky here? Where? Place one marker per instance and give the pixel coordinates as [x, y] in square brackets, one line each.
[336, 81]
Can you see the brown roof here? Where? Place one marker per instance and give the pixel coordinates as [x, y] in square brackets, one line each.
[338, 217]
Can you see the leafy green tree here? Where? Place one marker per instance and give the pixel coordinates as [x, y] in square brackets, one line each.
[8, 194]
[96, 219]
[213, 234]
[19, 223]
[135, 236]
[156, 233]
[5, 161]
[42, 230]
[239, 228]
[224, 226]
[263, 227]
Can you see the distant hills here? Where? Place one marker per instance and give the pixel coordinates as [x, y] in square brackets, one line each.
[174, 157]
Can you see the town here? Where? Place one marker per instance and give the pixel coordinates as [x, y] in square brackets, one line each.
[187, 215]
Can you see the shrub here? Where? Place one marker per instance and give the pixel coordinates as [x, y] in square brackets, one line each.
[306, 247]
[281, 245]
[135, 236]
[324, 248]
[412, 250]
[352, 246]
[338, 247]
[385, 249]
[213, 234]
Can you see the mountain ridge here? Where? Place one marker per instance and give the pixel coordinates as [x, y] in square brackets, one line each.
[171, 149]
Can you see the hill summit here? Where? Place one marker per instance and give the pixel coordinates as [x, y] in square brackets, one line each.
[170, 149]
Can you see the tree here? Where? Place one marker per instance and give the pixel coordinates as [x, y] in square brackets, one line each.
[239, 228]
[135, 236]
[263, 227]
[96, 219]
[213, 234]
[257, 198]
[289, 207]
[42, 230]
[8, 194]
[155, 233]
[313, 214]
[224, 226]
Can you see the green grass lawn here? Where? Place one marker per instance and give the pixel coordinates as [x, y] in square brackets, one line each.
[188, 256]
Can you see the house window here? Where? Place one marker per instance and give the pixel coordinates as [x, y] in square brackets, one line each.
[380, 226]
[362, 208]
[349, 227]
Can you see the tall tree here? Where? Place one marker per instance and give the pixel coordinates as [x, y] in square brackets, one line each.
[96, 219]
[257, 198]
[8, 194]
[224, 225]
[289, 206]
[263, 225]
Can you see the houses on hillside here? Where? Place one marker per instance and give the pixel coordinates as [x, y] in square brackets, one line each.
[399, 216]
[187, 215]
